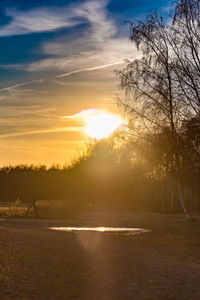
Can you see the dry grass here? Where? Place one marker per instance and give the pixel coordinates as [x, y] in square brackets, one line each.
[47, 209]
[12, 211]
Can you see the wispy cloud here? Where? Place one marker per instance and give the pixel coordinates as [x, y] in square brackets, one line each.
[47, 19]
[42, 131]
[83, 113]
[95, 12]
[38, 20]
[97, 46]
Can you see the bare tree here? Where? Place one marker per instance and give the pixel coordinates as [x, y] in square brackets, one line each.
[185, 43]
[152, 89]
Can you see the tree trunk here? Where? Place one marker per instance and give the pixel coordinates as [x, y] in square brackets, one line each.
[172, 202]
[163, 206]
[180, 192]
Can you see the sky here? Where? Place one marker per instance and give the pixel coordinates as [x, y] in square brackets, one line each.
[57, 58]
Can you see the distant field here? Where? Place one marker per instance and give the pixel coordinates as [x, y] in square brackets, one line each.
[12, 211]
[37, 263]
[46, 209]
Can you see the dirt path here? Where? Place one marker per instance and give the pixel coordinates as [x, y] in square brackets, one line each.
[37, 263]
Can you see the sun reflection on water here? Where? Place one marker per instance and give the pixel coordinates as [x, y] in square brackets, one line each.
[122, 230]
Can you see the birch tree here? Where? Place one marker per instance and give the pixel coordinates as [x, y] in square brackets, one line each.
[153, 95]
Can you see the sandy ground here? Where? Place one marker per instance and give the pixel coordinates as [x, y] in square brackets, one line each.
[37, 263]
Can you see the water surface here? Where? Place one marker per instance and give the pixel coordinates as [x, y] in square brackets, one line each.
[114, 230]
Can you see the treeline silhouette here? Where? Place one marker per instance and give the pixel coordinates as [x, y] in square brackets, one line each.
[153, 162]
[114, 176]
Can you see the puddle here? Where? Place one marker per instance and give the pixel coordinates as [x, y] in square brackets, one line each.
[110, 230]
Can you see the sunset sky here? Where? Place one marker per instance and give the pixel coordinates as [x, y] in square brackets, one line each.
[57, 58]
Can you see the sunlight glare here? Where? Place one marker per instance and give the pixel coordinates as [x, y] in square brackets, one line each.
[102, 125]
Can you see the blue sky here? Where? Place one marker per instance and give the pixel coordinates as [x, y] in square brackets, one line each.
[57, 58]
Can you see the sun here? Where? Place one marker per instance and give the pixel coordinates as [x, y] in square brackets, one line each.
[97, 123]
[102, 124]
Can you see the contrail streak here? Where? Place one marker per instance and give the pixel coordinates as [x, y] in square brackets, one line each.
[12, 87]
[89, 69]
